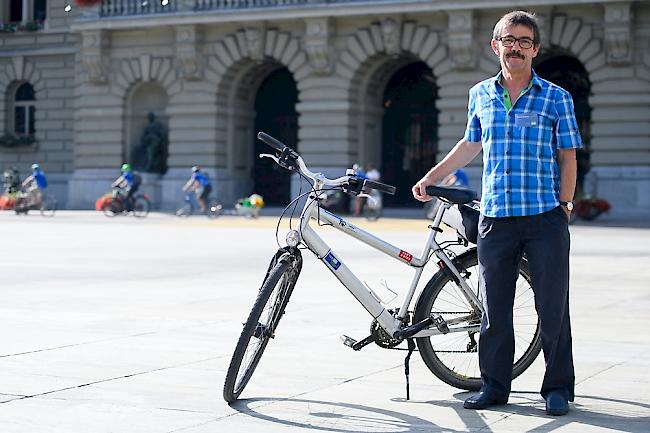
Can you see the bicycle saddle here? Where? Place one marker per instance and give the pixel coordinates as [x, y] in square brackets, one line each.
[453, 194]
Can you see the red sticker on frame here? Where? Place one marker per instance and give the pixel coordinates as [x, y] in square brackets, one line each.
[406, 256]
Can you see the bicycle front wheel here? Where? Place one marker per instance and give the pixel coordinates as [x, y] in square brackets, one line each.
[186, 210]
[141, 206]
[453, 357]
[48, 206]
[214, 208]
[372, 214]
[262, 322]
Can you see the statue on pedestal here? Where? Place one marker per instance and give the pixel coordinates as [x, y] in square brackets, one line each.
[150, 155]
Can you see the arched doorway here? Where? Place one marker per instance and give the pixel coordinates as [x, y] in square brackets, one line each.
[410, 130]
[568, 73]
[275, 114]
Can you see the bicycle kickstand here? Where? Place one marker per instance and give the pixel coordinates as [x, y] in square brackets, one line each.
[411, 348]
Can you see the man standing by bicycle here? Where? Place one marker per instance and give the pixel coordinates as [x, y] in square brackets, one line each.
[199, 182]
[527, 130]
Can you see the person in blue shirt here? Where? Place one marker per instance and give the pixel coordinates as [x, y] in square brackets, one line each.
[34, 184]
[457, 178]
[129, 183]
[527, 129]
[199, 182]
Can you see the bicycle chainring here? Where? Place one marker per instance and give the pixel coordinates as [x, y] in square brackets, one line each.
[381, 337]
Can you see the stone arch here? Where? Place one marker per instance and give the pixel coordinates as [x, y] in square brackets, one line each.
[386, 40]
[129, 75]
[145, 68]
[238, 65]
[372, 55]
[574, 37]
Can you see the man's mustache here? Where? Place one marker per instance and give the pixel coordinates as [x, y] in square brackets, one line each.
[515, 54]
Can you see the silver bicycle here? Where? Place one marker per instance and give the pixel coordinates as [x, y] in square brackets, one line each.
[445, 319]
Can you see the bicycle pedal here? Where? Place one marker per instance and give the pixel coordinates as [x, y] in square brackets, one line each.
[348, 341]
[440, 323]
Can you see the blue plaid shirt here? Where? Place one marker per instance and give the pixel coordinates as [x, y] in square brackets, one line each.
[521, 175]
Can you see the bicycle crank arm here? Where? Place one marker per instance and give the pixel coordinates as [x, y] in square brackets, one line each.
[433, 319]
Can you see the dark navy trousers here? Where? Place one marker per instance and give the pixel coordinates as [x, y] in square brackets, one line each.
[544, 238]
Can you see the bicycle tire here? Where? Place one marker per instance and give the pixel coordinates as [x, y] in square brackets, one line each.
[112, 208]
[281, 279]
[48, 206]
[185, 210]
[214, 208]
[452, 347]
[141, 206]
[373, 214]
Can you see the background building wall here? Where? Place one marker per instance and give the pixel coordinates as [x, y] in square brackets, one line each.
[86, 69]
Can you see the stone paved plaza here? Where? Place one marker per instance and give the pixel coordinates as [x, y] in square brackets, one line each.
[125, 325]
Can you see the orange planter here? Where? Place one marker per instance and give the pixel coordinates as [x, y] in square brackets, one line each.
[102, 201]
[7, 202]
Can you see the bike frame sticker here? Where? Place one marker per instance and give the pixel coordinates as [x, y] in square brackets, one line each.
[332, 261]
[405, 256]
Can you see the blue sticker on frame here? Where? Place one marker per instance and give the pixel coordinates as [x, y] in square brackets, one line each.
[332, 261]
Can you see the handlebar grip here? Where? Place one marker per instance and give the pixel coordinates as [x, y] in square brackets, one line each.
[266, 138]
[388, 189]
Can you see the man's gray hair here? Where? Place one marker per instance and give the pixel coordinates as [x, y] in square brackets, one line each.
[518, 18]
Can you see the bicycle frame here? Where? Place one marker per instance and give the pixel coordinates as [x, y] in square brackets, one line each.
[364, 294]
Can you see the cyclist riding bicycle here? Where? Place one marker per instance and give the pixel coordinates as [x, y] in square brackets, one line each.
[128, 183]
[199, 182]
[34, 185]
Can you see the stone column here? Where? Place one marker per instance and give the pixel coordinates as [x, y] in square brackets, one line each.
[98, 127]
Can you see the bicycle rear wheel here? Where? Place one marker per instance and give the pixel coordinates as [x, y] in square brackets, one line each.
[453, 357]
[262, 321]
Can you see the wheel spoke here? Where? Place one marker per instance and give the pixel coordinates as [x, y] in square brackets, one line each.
[453, 357]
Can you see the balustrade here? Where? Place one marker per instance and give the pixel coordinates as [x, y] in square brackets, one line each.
[114, 8]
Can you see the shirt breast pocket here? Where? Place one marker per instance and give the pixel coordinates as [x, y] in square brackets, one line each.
[488, 112]
[535, 121]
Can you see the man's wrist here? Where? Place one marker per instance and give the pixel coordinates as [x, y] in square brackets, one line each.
[568, 205]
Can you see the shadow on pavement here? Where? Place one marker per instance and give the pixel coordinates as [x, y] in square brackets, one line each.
[330, 416]
[340, 417]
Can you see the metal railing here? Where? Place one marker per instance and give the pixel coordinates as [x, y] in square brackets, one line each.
[116, 8]
[112, 8]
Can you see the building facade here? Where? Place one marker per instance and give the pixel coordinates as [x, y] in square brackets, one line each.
[343, 81]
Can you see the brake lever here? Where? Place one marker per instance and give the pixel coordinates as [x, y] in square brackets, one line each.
[268, 155]
[368, 197]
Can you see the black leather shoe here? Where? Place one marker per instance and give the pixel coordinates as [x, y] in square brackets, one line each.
[483, 400]
[556, 403]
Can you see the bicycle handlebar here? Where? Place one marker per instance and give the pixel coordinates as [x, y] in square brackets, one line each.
[275, 144]
[383, 187]
[290, 159]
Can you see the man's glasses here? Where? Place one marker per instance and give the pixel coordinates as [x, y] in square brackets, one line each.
[509, 41]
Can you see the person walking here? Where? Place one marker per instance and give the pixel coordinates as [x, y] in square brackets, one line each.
[527, 130]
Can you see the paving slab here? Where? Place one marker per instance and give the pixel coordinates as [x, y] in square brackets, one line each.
[127, 325]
